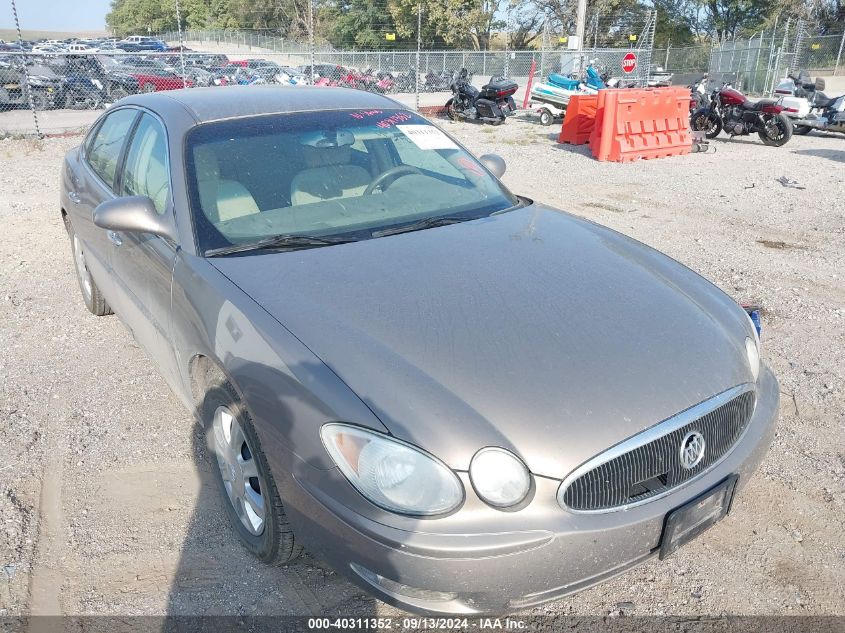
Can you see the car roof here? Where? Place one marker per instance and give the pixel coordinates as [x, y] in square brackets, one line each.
[217, 103]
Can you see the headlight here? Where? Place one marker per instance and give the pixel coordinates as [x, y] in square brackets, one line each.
[753, 353]
[392, 474]
[499, 477]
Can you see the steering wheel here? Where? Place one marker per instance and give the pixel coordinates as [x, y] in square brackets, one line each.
[392, 173]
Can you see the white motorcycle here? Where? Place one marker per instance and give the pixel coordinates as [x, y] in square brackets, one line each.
[809, 107]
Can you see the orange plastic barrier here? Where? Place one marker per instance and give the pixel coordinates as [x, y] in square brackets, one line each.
[646, 123]
[579, 120]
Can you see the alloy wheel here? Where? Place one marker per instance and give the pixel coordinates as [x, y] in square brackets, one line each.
[82, 268]
[239, 471]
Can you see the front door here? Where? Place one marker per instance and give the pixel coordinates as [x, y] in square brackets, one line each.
[90, 181]
[142, 262]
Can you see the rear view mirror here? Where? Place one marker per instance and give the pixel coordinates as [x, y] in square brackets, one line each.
[495, 163]
[819, 84]
[132, 214]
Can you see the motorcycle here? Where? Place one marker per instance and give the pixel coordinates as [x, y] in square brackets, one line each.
[406, 82]
[698, 94]
[736, 114]
[827, 114]
[493, 103]
[440, 82]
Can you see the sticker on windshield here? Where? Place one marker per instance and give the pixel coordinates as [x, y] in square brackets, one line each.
[427, 137]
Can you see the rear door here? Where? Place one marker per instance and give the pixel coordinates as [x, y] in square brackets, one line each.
[90, 180]
[142, 262]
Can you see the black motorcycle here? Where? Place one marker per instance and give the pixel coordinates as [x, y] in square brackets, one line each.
[493, 103]
[438, 82]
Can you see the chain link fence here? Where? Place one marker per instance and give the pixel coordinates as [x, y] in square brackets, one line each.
[65, 85]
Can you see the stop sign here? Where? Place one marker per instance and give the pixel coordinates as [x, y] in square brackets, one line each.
[629, 63]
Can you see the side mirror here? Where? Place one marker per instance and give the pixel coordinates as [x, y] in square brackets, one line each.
[495, 163]
[132, 214]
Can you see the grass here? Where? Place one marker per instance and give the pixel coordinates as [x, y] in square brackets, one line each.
[11, 35]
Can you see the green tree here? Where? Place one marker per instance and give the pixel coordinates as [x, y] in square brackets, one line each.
[363, 24]
[132, 16]
[728, 19]
[451, 23]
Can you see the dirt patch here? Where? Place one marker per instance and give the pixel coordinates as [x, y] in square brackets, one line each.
[777, 244]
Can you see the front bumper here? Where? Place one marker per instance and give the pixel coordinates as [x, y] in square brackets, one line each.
[481, 560]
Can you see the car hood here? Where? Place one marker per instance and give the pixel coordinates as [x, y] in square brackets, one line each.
[532, 330]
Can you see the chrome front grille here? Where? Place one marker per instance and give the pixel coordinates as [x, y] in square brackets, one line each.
[648, 465]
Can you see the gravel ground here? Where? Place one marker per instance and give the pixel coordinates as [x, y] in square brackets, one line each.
[105, 499]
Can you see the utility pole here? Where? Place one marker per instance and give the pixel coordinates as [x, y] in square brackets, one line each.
[581, 23]
[580, 31]
[311, 36]
[417, 73]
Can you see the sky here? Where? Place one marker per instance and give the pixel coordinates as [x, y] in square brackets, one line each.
[57, 15]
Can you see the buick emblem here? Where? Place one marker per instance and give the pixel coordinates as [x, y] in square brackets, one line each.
[692, 449]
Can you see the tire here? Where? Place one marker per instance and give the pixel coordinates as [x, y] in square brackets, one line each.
[91, 295]
[148, 88]
[546, 117]
[778, 130]
[451, 110]
[705, 121]
[89, 102]
[118, 93]
[801, 130]
[272, 542]
[40, 100]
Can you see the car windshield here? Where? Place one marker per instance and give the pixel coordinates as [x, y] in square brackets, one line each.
[348, 173]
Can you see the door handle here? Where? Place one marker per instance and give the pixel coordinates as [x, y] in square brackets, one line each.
[74, 197]
[115, 238]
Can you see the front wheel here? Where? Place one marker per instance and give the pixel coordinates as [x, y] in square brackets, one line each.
[40, 101]
[452, 110]
[118, 93]
[777, 130]
[704, 120]
[148, 88]
[249, 492]
[546, 117]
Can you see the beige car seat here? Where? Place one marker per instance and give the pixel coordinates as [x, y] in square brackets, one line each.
[221, 199]
[328, 175]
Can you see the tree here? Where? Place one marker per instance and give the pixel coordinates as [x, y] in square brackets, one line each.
[728, 18]
[451, 23]
[131, 16]
[362, 24]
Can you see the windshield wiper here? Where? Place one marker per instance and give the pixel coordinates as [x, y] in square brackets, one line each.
[428, 223]
[284, 241]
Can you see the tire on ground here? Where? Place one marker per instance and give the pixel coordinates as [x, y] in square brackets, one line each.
[94, 300]
[276, 545]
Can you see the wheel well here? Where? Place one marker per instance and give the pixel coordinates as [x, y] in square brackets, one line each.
[204, 372]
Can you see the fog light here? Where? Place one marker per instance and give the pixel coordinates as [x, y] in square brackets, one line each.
[398, 589]
[499, 477]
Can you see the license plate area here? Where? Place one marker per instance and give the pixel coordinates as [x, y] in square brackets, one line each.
[692, 519]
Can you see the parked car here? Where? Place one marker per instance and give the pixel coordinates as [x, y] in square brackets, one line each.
[464, 400]
[152, 80]
[45, 88]
[105, 73]
[141, 43]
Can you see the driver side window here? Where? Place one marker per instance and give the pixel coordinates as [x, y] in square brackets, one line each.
[147, 172]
